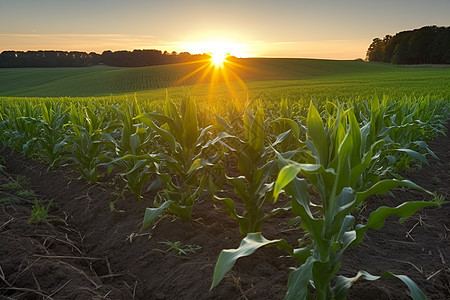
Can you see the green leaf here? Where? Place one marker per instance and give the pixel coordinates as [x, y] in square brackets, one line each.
[286, 175]
[239, 185]
[256, 140]
[227, 258]
[377, 218]
[167, 136]
[222, 122]
[343, 284]
[414, 154]
[198, 163]
[230, 207]
[152, 213]
[382, 187]
[135, 142]
[356, 139]
[190, 123]
[281, 137]
[317, 134]
[298, 282]
[294, 126]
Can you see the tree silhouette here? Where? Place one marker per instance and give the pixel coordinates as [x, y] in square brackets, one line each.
[427, 45]
[135, 58]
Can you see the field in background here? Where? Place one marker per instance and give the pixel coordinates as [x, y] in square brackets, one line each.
[265, 79]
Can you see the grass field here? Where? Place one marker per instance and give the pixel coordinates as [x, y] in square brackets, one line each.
[265, 79]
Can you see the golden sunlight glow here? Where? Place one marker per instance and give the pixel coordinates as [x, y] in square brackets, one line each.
[218, 58]
[222, 48]
[221, 71]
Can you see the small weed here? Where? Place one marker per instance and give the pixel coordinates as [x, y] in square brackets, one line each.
[8, 201]
[15, 185]
[436, 180]
[39, 213]
[26, 193]
[439, 199]
[181, 249]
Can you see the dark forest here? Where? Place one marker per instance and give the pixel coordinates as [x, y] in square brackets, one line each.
[427, 45]
[136, 58]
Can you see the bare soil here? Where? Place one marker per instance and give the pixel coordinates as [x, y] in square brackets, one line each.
[87, 251]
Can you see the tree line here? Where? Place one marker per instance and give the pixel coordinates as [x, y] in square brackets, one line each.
[427, 45]
[135, 58]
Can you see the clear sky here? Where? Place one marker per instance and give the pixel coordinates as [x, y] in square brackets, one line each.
[283, 28]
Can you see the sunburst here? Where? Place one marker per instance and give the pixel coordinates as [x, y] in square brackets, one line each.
[221, 67]
[218, 58]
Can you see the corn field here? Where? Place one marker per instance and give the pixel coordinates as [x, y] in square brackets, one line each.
[327, 158]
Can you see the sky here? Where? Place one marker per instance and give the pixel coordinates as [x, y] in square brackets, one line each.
[247, 28]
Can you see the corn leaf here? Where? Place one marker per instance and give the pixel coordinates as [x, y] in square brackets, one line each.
[256, 140]
[298, 282]
[135, 142]
[289, 172]
[414, 154]
[151, 213]
[286, 175]
[166, 135]
[197, 164]
[294, 126]
[227, 258]
[190, 123]
[343, 284]
[377, 218]
[384, 186]
[317, 134]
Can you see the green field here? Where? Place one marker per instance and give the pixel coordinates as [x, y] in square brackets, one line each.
[235, 145]
[263, 78]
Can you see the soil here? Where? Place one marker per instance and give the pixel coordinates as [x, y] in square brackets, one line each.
[86, 251]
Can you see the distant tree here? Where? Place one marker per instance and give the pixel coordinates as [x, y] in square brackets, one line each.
[123, 58]
[427, 45]
[375, 51]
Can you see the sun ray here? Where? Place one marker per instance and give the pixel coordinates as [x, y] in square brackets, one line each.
[180, 81]
[221, 71]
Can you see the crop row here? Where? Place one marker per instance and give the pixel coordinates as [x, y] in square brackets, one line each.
[344, 153]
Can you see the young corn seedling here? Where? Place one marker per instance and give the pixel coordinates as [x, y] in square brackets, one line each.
[86, 149]
[258, 166]
[129, 142]
[394, 154]
[288, 131]
[340, 160]
[186, 160]
[52, 138]
[19, 128]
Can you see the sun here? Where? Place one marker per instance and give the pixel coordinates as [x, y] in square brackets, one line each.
[218, 50]
[218, 58]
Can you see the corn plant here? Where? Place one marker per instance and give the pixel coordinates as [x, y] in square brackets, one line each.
[340, 160]
[19, 130]
[52, 138]
[288, 132]
[402, 140]
[86, 150]
[257, 165]
[127, 142]
[186, 160]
